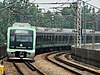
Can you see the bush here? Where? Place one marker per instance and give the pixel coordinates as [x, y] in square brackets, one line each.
[2, 39]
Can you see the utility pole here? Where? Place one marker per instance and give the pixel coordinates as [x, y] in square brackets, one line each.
[74, 4]
[84, 24]
[6, 3]
[79, 29]
[93, 27]
[77, 23]
[9, 14]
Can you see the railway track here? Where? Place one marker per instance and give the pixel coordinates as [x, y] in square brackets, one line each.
[26, 68]
[76, 69]
[33, 68]
[21, 68]
[18, 69]
[60, 65]
[29, 68]
[75, 65]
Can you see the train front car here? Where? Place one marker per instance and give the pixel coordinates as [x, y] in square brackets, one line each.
[21, 41]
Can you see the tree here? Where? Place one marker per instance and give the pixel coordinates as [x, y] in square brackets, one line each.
[2, 39]
[68, 15]
[67, 11]
[98, 20]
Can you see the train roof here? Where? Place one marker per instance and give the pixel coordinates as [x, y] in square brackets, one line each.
[58, 30]
[22, 24]
[53, 30]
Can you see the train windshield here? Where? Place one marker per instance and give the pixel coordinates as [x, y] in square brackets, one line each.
[21, 39]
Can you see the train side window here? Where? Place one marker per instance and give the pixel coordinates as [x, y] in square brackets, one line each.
[56, 38]
[53, 38]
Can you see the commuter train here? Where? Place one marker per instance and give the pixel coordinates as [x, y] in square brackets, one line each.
[21, 41]
[24, 41]
[49, 39]
[62, 37]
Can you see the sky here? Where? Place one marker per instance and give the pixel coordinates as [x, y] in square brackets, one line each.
[46, 6]
[93, 2]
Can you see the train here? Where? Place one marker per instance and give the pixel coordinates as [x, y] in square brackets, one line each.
[62, 37]
[42, 39]
[21, 41]
[49, 39]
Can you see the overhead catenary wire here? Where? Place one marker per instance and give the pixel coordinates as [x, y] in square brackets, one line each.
[90, 4]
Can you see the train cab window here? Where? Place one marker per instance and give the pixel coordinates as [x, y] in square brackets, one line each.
[21, 39]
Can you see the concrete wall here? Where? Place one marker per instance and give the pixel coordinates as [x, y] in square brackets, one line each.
[85, 55]
[96, 46]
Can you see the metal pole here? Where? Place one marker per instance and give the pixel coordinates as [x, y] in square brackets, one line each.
[84, 25]
[93, 28]
[9, 15]
[75, 23]
[79, 13]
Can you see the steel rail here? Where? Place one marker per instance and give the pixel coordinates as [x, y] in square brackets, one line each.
[59, 64]
[74, 65]
[33, 68]
[19, 71]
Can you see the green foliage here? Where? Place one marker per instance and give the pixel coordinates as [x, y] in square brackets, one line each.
[24, 11]
[2, 39]
[67, 11]
[68, 15]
